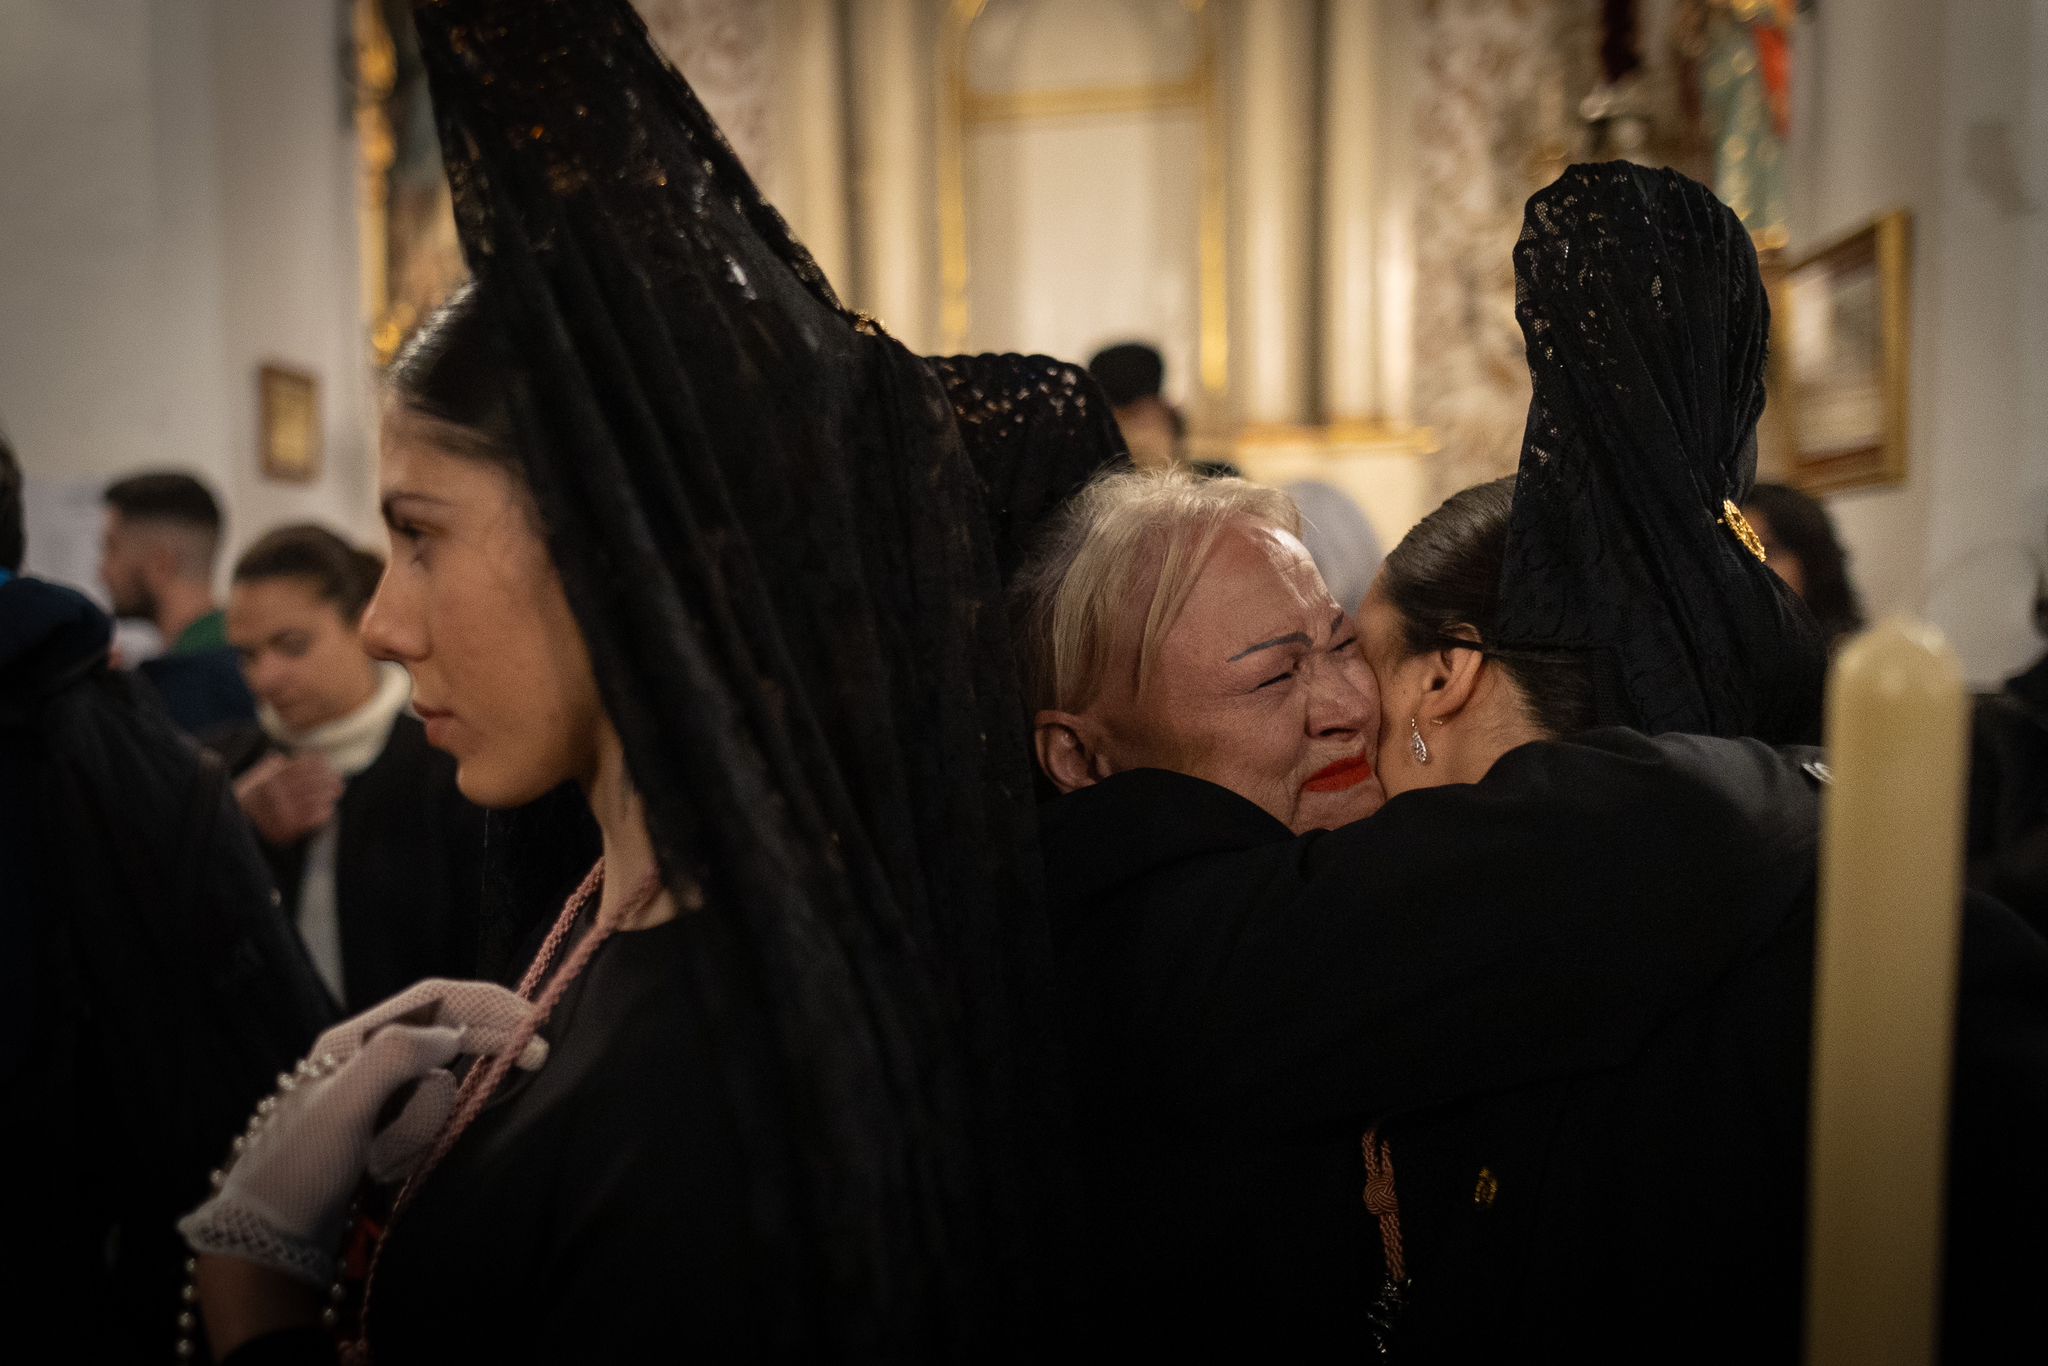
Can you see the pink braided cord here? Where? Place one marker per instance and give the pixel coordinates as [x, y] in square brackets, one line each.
[487, 1074]
[1384, 1201]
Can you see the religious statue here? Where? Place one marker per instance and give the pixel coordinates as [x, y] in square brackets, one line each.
[1746, 86]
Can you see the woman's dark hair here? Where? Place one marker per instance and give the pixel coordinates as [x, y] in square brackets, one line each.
[338, 572]
[454, 370]
[1444, 580]
[1802, 528]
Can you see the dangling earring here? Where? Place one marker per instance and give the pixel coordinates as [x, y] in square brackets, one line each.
[1416, 744]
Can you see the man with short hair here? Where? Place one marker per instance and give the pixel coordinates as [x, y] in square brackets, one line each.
[1133, 375]
[162, 536]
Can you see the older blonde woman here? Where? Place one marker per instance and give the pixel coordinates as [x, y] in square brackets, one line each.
[1547, 1011]
[1255, 974]
[1180, 623]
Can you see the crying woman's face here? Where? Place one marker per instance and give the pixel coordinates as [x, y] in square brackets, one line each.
[1258, 686]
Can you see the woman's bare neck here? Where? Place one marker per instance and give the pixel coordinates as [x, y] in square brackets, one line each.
[630, 864]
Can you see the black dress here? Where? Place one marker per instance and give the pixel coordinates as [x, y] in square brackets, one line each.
[2009, 794]
[590, 1213]
[407, 865]
[1573, 997]
[151, 990]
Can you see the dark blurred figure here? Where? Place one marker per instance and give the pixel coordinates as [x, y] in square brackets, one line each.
[1133, 377]
[162, 538]
[2008, 848]
[376, 854]
[1799, 537]
[149, 989]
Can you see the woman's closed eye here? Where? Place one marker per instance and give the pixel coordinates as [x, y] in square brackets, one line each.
[1344, 646]
[1285, 665]
[408, 532]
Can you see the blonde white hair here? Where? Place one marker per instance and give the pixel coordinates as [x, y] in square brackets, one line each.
[1116, 569]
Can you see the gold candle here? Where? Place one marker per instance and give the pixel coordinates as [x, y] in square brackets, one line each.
[1891, 875]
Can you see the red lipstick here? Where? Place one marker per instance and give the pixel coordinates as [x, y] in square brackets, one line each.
[1345, 773]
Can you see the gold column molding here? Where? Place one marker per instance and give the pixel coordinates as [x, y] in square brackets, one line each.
[953, 320]
[814, 134]
[376, 75]
[1273, 124]
[1214, 299]
[895, 118]
[1349, 239]
[1348, 432]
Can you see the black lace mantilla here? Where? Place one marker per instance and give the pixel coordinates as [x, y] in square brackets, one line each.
[1036, 429]
[1646, 322]
[780, 555]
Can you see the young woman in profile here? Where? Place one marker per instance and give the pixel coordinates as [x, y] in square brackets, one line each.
[669, 524]
[473, 607]
[376, 854]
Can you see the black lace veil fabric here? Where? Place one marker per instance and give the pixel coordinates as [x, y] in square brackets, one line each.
[1647, 323]
[781, 558]
[1037, 429]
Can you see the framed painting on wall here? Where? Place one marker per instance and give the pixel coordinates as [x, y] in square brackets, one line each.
[1841, 332]
[288, 437]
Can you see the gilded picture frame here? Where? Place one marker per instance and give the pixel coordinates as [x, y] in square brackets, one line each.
[1840, 332]
[288, 424]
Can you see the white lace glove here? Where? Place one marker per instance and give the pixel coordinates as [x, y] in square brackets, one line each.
[283, 1200]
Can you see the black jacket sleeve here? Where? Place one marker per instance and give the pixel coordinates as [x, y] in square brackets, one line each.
[1467, 938]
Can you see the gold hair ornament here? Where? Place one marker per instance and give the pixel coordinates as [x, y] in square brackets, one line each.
[1732, 518]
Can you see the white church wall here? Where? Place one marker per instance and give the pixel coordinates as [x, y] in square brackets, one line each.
[1864, 121]
[2033, 284]
[176, 207]
[289, 251]
[1897, 105]
[1986, 518]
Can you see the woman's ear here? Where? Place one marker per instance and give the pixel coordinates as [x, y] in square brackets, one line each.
[1454, 676]
[1066, 750]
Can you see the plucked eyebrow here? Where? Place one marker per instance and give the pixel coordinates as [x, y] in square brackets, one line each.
[394, 503]
[1291, 638]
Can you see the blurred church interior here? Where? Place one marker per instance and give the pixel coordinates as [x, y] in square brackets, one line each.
[1305, 206]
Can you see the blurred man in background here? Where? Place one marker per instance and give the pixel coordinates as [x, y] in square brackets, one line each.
[1133, 377]
[162, 538]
